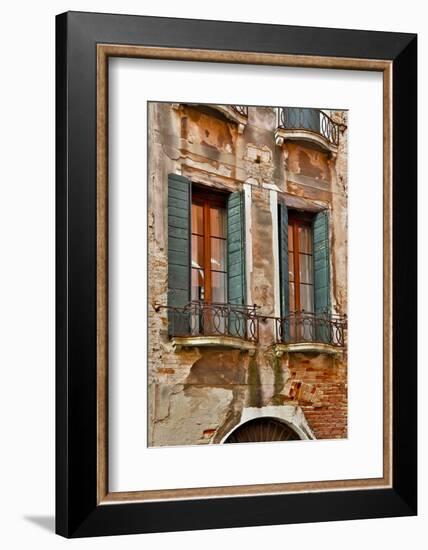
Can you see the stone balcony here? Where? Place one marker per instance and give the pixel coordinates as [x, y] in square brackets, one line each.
[309, 125]
[200, 324]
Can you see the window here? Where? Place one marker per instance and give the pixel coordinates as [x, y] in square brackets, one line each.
[300, 263]
[304, 275]
[206, 261]
[209, 247]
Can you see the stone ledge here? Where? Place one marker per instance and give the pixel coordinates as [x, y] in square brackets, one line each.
[232, 342]
[307, 347]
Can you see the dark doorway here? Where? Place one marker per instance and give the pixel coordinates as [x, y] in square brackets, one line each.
[262, 429]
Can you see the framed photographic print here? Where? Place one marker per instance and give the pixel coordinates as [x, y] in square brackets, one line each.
[236, 274]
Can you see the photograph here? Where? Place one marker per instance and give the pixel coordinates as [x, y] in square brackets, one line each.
[247, 273]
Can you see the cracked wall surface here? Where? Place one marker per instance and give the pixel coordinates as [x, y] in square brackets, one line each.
[198, 395]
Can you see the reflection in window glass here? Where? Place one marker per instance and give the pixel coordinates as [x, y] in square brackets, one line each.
[305, 239]
[197, 251]
[306, 298]
[218, 254]
[290, 237]
[291, 266]
[197, 219]
[218, 285]
[197, 284]
[218, 222]
[292, 302]
[306, 268]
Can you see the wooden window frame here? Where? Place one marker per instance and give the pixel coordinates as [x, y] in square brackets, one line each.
[207, 198]
[296, 219]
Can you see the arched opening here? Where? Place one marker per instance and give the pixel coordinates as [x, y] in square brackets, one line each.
[262, 429]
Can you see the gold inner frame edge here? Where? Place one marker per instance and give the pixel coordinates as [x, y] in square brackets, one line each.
[104, 51]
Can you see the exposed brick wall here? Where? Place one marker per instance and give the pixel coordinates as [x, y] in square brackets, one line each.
[321, 389]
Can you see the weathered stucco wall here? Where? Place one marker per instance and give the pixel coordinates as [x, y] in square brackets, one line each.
[197, 396]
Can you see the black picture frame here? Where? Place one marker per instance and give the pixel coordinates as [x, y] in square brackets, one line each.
[77, 511]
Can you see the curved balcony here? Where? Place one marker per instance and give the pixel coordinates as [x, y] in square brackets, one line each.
[235, 113]
[310, 332]
[201, 324]
[311, 125]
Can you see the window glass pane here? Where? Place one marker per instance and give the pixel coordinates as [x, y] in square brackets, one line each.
[306, 268]
[218, 222]
[307, 297]
[219, 288]
[197, 251]
[197, 284]
[291, 266]
[305, 239]
[218, 254]
[291, 297]
[197, 219]
[290, 237]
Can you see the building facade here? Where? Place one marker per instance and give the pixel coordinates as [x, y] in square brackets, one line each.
[247, 268]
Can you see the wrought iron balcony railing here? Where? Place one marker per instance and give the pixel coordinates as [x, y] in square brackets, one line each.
[304, 327]
[199, 318]
[214, 319]
[240, 109]
[293, 118]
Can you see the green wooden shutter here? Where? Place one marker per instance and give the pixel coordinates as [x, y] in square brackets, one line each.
[322, 272]
[283, 268]
[179, 219]
[283, 258]
[236, 260]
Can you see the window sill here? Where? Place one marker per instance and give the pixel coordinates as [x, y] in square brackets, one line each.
[307, 347]
[231, 342]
